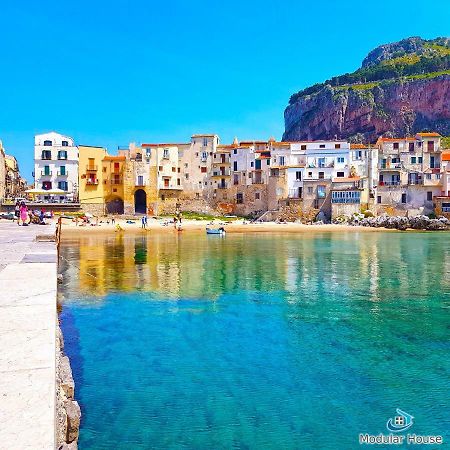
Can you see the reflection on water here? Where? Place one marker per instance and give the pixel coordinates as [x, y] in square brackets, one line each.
[255, 341]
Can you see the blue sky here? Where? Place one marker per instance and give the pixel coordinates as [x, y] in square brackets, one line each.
[111, 72]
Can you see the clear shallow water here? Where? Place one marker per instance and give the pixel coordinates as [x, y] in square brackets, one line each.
[256, 341]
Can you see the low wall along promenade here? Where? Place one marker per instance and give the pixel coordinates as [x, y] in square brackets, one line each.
[37, 410]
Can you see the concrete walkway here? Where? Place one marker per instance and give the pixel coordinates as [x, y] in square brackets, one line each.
[28, 271]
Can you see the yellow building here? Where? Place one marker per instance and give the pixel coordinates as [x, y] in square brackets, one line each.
[113, 169]
[90, 178]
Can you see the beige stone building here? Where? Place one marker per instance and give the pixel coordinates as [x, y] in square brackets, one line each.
[2, 173]
[409, 174]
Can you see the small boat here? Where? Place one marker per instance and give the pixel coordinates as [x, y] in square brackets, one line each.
[220, 231]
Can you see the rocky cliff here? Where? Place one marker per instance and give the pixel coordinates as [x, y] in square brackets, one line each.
[401, 88]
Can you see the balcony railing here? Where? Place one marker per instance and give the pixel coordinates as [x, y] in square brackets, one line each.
[91, 182]
[63, 174]
[446, 209]
[389, 183]
[117, 180]
[90, 168]
[46, 174]
[224, 173]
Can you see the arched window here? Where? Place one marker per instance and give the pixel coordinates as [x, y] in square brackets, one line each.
[48, 143]
[65, 143]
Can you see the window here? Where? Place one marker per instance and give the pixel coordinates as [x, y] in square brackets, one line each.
[186, 175]
[298, 176]
[257, 164]
[403, 198]
[62, 170]
[46, 185]
[204, 156]
[428, 176]
[395, 145]
[430, 146]
[282, 161]
[251, 164]
[63, 185]
[310, 174]
[174, 169]
[310, 190]
[65, 143]
[239, 198]
[321, 191]
[322, 146]
[358, 155]
[166, 153]
[303, 147]
[138, 156]
[166, 182]
[411, 146]
[203, 170]
[341, 159]
[340, 174]
[160, 168]
[337, 145]
[140, 180]
[413, 160]
[268, 162]
[47, 143]
[257, 196]
[178, 181]
[235, 151]
[205, 142]
[321, 162]
[62, 154]
[179, 170]
[345, 197]
[235, 166]
[378, 198]
[429, 196]
[186, 165]
[46, 171]
[438, 176]
[321, 175]
[420, 159]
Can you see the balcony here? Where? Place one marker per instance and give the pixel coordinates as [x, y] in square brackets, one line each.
[117, 180]
[91, 168]
[389, 183]
[221, 173]
[222, 186]
[392, 166]
[63, 174]
[91, 182]
[46, 174]
[294, 194]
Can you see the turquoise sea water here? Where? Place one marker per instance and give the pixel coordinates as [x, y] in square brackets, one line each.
[256, 341]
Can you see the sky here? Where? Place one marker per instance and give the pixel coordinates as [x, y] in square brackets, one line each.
[112, 72]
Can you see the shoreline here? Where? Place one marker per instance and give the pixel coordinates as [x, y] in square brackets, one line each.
[69, 229]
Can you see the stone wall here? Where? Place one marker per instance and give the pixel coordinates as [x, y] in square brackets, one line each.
[96, 209]
[68, 413]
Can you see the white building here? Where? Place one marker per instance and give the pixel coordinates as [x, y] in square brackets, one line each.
[56, 166]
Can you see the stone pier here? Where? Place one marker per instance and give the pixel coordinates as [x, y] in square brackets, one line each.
[28, 323]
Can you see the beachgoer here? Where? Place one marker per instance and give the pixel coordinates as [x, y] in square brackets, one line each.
[175, 220]
[179, 217]
[143, 222]
[17, 212]
[113, 221]
[23, 213]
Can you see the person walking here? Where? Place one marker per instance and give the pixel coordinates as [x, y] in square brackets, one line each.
[23, 213]
[17, 212]
[143, 222]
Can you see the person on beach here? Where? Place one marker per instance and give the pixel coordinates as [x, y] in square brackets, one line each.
[23, 213]
[144, 222]
[113, 221]
[17, 212]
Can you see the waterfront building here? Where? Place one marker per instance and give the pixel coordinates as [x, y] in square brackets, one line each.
[2, 173]
[442, 201]
[91, 180]
[195, 163]
[15, 184]
[140, 179]
[56, 167]
[409, 174]
[114, 191]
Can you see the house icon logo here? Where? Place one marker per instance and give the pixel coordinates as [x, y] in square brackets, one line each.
[401, 422]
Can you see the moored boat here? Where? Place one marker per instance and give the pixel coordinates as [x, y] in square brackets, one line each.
[220, 231]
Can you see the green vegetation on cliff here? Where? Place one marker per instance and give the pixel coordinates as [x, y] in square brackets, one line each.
[410, 59]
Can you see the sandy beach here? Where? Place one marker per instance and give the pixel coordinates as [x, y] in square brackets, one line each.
[70, 228]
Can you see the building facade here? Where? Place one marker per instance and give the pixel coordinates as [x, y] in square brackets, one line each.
[56, 167]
